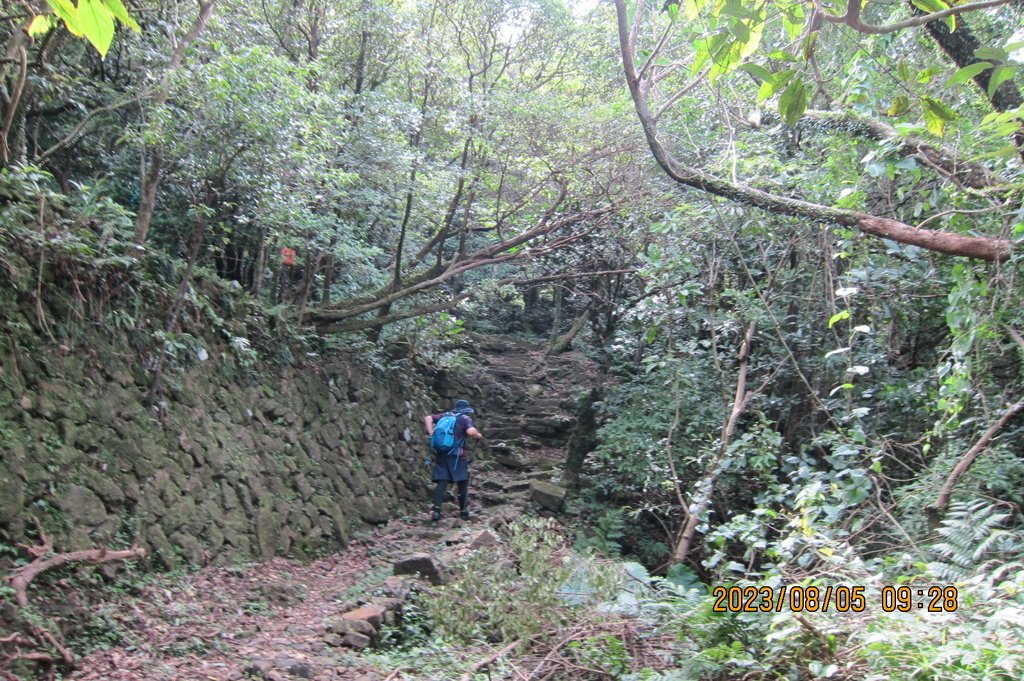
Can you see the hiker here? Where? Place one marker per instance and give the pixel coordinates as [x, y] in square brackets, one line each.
[448, 432]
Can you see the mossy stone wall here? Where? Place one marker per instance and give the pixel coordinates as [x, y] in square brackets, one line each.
[235, 464]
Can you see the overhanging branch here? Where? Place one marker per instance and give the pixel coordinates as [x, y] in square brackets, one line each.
[984, 248]
[852, 17]
[509, 250]
[944, 160]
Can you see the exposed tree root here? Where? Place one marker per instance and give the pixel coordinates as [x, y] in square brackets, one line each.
[31, 644]
[46, 559]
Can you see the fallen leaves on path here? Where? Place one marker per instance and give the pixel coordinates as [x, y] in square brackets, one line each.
[263, 620]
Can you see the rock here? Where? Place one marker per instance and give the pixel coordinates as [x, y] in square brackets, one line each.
[393, 608]
[372, 613]
[107, 490]
[258, 669]
[396, 586]
[481, 539]
[373, 510]
[161, 549]
[188, 547]
[547, 495]
[84, 506]
[284, 592]
[301, 670]
[356, 640]
[510, 459]
[492, 498]
[340, 625]
[429, 534]
[336, 625]
[363, 627]
[12, 496]
[333, 640]
[535, 390]
[419, 564]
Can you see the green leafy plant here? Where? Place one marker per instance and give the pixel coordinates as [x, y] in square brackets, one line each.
[90, 19]
[607, 653]
[509, 591]
[974, 535]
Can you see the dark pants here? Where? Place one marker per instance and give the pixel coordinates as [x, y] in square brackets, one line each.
[442, 487]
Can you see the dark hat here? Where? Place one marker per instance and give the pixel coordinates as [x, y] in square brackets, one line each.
[462, 406]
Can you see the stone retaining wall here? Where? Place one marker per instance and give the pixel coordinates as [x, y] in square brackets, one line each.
[235, 465]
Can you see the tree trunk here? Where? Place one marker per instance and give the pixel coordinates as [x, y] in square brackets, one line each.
[706, 488]
[961, 46]
[260, 266]
[583, 439]
[556, 316]
[151, 177]
[325, 294]
[935, 511]
[561, 343]
[310, 270]
[147, 196]
[195, 244]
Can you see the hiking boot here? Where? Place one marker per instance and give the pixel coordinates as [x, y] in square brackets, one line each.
[435, 515]
[464, 514]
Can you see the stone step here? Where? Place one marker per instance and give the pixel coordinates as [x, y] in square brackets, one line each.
[549, 404]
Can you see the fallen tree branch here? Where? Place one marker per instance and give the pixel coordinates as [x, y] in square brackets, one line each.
[705, 488]
[965, 173]
[936, 510]
[510, 250]
[78, 131]
[47, 637]
[852, 16]
[488, 661]
[23, 576]
[375, 322]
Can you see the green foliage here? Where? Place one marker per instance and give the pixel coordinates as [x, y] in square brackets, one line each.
[102, 630]
[607, 653]
[90, 19]
[443, 128]
[980, 641]
[603, 534]
[974, 539]
[509, 591]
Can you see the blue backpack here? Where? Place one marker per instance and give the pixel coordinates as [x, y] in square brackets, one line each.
[443, 440]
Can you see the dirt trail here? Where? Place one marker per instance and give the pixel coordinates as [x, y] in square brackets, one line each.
[268, 620]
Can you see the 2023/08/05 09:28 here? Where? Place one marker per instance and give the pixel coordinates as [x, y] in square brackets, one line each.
[839, 598]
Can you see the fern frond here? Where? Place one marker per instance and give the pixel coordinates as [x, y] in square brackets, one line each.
[974, 538]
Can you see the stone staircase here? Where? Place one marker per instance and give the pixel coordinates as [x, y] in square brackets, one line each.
[526, 408]
[525, 402]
